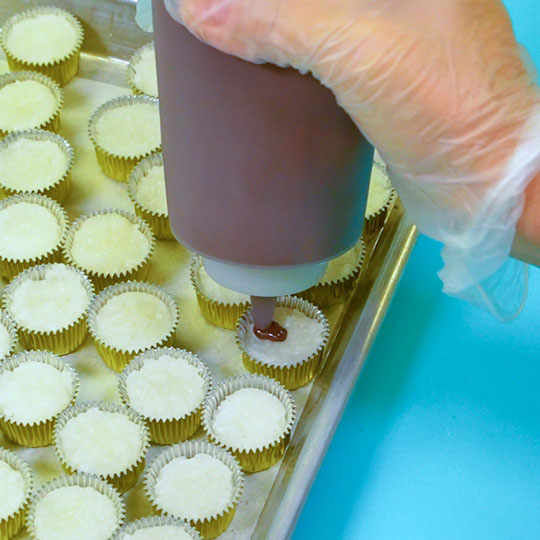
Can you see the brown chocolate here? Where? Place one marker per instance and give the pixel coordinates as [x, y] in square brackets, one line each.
[274, 332]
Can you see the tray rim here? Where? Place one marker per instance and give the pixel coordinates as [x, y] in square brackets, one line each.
[354, 339]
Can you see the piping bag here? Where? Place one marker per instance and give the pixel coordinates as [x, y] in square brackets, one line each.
[266, 176]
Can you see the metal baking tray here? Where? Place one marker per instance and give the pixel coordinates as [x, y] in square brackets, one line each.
[274, 498]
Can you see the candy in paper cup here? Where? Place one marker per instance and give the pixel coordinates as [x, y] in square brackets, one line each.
[124, 478]
[155, 522]
[211, 526]
[60, 187]
[104, 279]
[12, 524]
[175, 429]
[62, 340]
[113, 165]
[253, 459]
[76, 480]
[52, 122]
[117, 359]
[291, 375]
[40, 432]
[10, 267]
[134, 61]
[61, 69]
[158, 221]
[223, 314]
[375, 221]
[11, 328]
[329, 292]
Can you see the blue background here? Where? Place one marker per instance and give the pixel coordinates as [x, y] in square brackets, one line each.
[441, 437]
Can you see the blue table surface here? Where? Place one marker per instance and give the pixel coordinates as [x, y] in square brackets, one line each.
[441, 437]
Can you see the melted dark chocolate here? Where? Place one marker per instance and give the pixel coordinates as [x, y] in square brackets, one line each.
[274, 332]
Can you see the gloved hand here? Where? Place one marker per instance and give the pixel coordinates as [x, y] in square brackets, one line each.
[439, 88]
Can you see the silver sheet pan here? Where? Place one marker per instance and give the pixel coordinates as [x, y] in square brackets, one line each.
[111, 37]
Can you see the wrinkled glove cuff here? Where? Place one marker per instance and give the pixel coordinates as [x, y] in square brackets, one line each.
[478, 237]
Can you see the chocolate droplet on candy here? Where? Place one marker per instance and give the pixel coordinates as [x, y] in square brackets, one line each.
[274, 332]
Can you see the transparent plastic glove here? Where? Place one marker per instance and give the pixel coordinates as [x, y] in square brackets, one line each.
[439, 88]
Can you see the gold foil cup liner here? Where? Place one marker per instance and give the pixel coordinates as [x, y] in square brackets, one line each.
[80, 480]
[113, 165]
[53, 122]
[328, 293]
[168, 430]
[61, 70]
[60, 188]
[211, 526]
[125, 478]
[104, 279]
[291, 375]
[9, 324]
[9, 267]
[118, 359]
[39, 433]
[256, 459]
[61, 341]
[374, 222]
[158, 222]
[12, 524]
[156, 521]
[133, 61]
[222, 314]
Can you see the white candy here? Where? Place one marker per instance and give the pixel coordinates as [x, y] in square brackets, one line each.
[75, 513]
[304, 335]
[42, 39]
[341, 266]
[217, 292]
[27, 230]
[25, 105]
[379, 191]
[151, 193]
[165, 388]
[164, 532]
[109, 243]
[145, 78]
[100, 442]
[51, 303]
[250, 419]
[5, 341]
[12, 490]
[29, 165]
[194, 488]
[34, 392]
[129, 130]
[133, 321]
